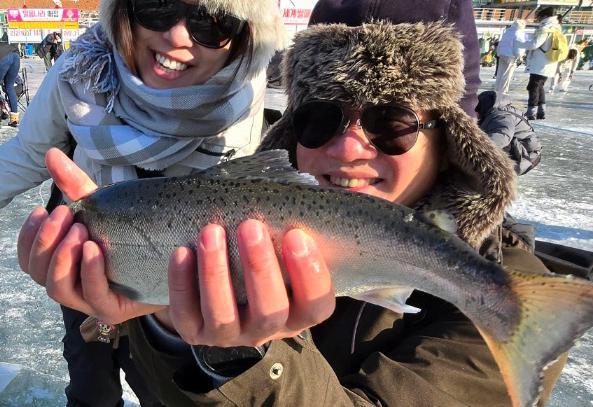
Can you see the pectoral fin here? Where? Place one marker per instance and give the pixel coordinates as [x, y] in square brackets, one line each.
[393, 298]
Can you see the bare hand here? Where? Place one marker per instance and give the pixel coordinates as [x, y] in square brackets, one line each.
[57, 254]
[207, 313]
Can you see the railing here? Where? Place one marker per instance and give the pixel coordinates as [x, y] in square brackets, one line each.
[500, 14]
[512, 14]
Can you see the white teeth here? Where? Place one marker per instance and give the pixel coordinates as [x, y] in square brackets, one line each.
[351, 182]
[169, 63]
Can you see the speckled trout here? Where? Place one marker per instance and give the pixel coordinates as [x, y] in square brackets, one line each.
[376, 251]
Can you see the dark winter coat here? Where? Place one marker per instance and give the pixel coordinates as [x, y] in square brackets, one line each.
[509, 130]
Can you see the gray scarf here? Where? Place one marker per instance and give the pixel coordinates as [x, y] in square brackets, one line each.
[118, 122]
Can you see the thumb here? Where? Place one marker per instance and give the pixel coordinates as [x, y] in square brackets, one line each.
[71, 180]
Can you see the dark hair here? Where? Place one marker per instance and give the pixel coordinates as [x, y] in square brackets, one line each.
[545, 12]
[122, 29]
[572, 53]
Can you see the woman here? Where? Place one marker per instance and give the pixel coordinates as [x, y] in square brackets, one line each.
[359, 119]
[157, 88]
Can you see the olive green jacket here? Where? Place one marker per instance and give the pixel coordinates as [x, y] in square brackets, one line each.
[362, 355]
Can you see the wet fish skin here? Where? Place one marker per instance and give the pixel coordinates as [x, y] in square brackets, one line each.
[376, 252]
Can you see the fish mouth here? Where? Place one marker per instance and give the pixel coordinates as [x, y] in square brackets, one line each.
[351, 182]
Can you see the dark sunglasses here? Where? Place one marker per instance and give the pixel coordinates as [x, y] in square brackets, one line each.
[392, 129]
[210, 31]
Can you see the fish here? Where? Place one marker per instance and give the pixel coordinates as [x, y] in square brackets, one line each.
[376, 251]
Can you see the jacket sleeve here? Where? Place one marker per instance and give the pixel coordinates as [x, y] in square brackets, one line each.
[461, 14]
[22, 159]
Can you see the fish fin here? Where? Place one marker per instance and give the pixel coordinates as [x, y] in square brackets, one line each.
[393, 298]
[271, 165]
[555, 310]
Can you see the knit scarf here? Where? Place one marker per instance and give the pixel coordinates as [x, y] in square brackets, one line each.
[118, 122]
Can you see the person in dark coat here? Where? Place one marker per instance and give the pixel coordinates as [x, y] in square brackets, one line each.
[50, 49]
[509, 129]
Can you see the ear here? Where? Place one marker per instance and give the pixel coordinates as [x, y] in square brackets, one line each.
[491, 170]
[281, 136]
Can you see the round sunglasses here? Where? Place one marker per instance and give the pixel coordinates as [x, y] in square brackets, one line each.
[210, 31]
[392, 129]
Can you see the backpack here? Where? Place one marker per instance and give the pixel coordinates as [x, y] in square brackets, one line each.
[558, 50]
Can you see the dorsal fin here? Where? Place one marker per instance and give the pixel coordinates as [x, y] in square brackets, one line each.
[271, 165]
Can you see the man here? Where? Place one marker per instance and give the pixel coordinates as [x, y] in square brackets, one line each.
[540, 66]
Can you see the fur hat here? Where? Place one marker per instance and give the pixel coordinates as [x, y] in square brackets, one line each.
[263, 16]
[417, 65]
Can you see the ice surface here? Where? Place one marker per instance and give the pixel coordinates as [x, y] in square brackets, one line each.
[557, 197]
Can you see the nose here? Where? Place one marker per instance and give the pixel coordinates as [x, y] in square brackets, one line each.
[351, 146]
[179, 35]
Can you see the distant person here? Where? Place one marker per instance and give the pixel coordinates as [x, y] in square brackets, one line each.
[509, 129]
[488, 58]
[48, 49]
[10, 63]
[509, 53]
[585, 48]
[540, 63]
[565, 71]
[494, 46]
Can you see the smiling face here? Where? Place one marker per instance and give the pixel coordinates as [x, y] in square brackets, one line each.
[350, 162]
[171, 59]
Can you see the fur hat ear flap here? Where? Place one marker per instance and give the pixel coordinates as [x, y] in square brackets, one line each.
[480, 205]
[281, 136]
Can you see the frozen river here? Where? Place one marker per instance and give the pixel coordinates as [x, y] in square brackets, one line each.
[556, 196]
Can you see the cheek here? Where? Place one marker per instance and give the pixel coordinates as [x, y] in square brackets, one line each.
[415, 173]
[305, 159]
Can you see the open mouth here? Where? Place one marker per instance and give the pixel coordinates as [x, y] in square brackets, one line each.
[351, 182]
[170, 64]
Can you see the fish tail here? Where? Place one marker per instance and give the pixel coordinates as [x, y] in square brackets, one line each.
[554, 311]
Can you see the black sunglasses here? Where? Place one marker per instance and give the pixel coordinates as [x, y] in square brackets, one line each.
[392, 129]
[210, 31]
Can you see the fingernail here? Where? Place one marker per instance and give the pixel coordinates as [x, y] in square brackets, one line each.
[213, 239]
[301, 247]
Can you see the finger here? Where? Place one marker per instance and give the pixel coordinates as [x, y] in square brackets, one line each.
[71, 180]
[27, 236]
[51, 232]
[95, 287]
[313, 298]
[106, 304]
[217, 297]
[184, 296]
[266, 292]
[62, 279]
